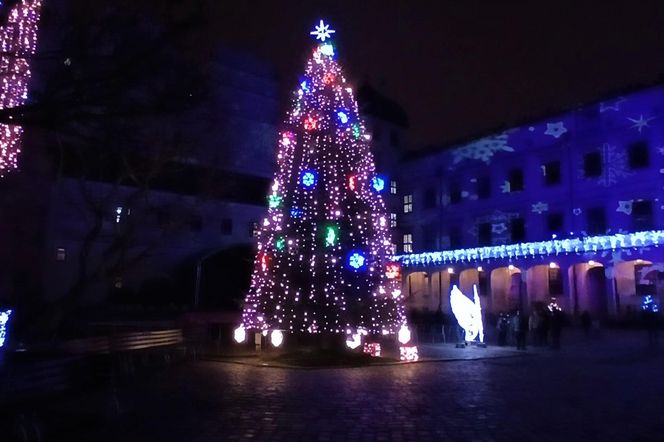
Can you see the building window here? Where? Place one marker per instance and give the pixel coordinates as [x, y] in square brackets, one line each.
[393, 219]
[518, 230]
[407, 203]
[551, 171]
[484, 187]
[429, 198]
[638, 155]
[596, 220]
[642, 215]
[196, 223]
[592, 164]
[60, 254]
[226, 226]
[555, 223]
[430, 239]
[555, 281]
[455, 194]
[393, 187]
[484, 234]
[455, 238]
[408, 243]
[515, 178]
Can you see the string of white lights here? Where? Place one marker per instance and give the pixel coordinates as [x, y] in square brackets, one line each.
[589, 244]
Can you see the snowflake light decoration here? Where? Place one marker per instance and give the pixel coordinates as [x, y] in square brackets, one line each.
[322, 31]
[483, 149]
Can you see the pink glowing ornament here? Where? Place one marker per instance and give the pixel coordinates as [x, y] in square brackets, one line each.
[329, 78]
[310, 123]
[393, 271]
[352, 182]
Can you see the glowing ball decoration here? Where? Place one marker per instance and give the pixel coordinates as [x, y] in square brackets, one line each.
[296, 212]
[352, 182]
[280, 243]
[331, 235]
[329, 78]
[393, 271]
[240, 334]
[310, 123]
[357, 130]
[273, 201]
[308, 178]
[356, 260]
[326, 49]
[342, 116]
[354, 341]
[277, 338]
[378, 183]
[372, 349]
[408, 353]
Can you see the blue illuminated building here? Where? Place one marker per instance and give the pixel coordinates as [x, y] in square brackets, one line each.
[570, 206]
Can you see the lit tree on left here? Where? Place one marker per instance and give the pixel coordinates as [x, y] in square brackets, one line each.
[18, 41]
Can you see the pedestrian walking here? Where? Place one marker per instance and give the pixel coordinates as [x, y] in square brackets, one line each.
[520, 325]
[533, 326]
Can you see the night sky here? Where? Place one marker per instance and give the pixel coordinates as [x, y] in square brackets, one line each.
[462, 68]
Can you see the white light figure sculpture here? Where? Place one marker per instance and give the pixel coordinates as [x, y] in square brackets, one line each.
[468, 313]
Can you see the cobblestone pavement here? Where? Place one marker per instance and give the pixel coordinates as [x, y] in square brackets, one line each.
[598, 389]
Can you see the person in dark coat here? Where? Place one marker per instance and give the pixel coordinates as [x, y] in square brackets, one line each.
[520, 325]
[556, 328]
[586, 322]
[502, 326]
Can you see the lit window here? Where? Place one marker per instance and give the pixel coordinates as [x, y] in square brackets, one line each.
[118, 214]
[408, 243]
[253, 230]
[393, 219]
[407, 203]
[393, 187]
[60, 254]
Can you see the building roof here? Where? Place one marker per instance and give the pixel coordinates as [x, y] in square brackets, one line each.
[627, 90]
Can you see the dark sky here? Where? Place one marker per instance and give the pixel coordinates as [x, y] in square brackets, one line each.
[463, 67]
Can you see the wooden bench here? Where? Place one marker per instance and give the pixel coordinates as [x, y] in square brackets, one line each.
[132, 346]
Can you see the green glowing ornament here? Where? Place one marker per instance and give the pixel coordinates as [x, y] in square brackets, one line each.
[280, 243]
[331, 235]
[273, 201]
[357, 130]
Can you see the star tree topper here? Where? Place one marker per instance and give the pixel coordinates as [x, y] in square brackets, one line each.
[322, 31]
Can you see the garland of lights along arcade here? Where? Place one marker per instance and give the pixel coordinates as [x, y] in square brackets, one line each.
[322, 264]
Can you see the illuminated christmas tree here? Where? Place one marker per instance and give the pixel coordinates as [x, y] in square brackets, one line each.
[18, 40]
[322, 264]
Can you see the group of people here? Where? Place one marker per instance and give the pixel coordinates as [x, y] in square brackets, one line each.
[543, 325]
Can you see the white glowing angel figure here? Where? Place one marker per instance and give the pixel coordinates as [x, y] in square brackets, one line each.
[468, 313]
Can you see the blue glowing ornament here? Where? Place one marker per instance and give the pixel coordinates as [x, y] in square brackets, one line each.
[378, 183]
[308, 178]
[296, 212]
[343, 117]
[304, 86]
[356, 260]
[649, 304]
